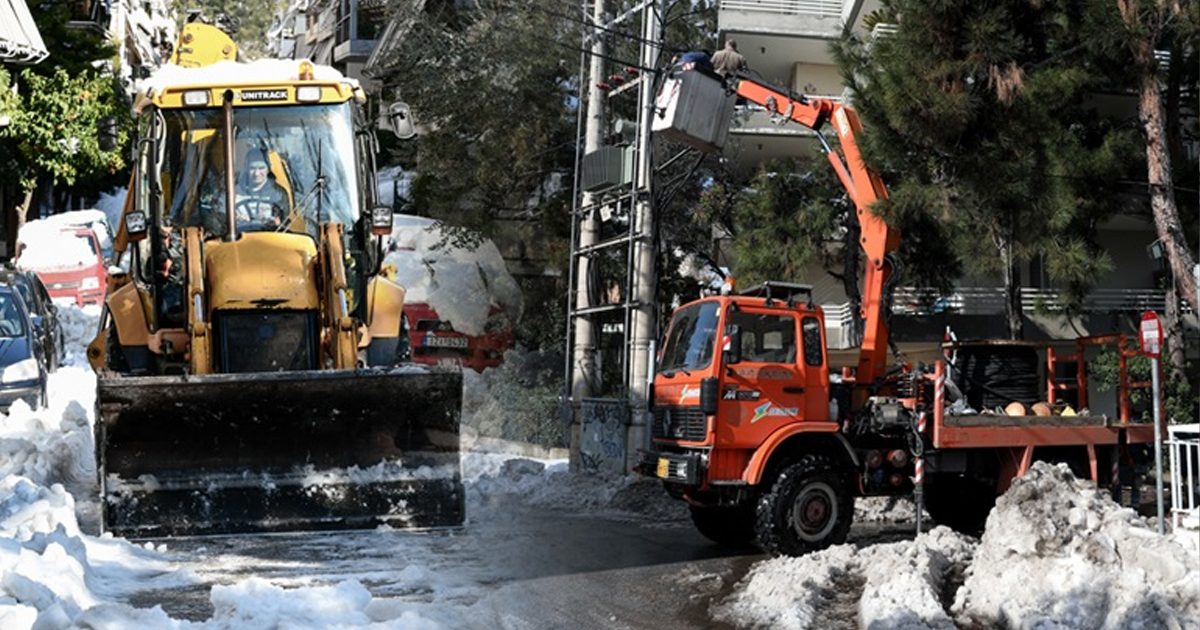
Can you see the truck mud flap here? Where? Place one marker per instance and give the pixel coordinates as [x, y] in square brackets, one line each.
[280, 451]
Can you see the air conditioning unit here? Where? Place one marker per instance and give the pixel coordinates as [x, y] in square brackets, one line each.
[607, 167]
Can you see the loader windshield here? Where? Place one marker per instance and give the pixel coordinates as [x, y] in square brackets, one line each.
[307, 152]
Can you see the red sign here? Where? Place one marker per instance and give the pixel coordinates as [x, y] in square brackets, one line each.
[1152, 336]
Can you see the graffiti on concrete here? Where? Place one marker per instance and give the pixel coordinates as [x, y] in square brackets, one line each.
[603, 427]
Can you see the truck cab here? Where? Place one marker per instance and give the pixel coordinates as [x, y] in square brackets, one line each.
[734, 372]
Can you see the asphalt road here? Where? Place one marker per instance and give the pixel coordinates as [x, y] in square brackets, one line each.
[514, 567]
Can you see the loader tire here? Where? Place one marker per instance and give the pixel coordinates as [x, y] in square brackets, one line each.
[808, 507]
[726, 526]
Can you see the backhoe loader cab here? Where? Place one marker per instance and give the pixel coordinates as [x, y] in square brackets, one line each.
[252, 375]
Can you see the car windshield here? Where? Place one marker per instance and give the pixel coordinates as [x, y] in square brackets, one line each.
[12, 319]
[307, 153]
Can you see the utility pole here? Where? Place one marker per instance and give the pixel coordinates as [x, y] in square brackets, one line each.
[613, 315]
[583, 352]
[644, 277]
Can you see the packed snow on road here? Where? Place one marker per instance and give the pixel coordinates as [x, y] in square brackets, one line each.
[1056, 553]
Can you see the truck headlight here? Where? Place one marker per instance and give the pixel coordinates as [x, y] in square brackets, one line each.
[90, 282]
[24, 370]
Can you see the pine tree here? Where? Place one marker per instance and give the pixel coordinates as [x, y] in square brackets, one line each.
[974, 110]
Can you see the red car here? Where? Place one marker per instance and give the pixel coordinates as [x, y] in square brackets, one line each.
[434, 340]
[69, 262]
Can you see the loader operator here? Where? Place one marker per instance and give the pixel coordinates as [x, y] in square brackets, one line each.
[259, 198]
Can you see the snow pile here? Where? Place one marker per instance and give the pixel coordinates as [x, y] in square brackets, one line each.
[464, 286]
[44, 245]
[50, 572]
[112, 204]
[257, 604]
[898, 509]
[93, 218]
[892, 586]
[1059, 554]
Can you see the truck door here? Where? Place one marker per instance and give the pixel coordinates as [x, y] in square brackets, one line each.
[767, 388]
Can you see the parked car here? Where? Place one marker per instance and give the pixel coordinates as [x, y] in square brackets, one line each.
[22, 363]
[434, 340]
[96, 220]
[68, 259]
[42, 312]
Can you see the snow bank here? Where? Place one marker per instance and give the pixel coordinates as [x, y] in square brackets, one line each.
[1056, 555]
[44, 245]
[1059, 554]
[464, 286]
[894, 586]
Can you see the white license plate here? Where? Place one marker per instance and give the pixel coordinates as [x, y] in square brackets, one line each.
[445, 342]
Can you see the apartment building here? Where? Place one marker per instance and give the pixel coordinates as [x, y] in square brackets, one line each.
[337, 33]
[787, 42]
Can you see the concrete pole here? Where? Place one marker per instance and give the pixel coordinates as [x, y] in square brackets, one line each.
[583, 352]
[643, 320]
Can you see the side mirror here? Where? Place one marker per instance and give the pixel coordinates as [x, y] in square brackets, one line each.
[400, 121]
[135, 225]
[37, 322]
[381, 220]
[106, 133]
[732, 352]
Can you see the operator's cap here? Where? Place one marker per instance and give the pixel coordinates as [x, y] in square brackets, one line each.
[256, 159]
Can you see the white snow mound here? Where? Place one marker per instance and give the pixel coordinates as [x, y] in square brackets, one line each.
[1057, 553]
[462, 285]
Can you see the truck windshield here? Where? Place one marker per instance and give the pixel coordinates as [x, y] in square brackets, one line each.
[307, 151]
[692, 338]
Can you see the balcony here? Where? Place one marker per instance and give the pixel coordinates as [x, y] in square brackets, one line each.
[90, 15]
[978, 312]
[799, 18]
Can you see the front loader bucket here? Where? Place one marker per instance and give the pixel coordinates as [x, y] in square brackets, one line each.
[279, 451]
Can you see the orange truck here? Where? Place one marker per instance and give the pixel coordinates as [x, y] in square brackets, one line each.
[765, 441]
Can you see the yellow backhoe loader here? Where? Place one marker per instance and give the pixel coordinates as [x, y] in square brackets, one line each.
[252, 364]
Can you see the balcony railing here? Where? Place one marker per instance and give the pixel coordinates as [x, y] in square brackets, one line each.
[990, 301]
[822, 8]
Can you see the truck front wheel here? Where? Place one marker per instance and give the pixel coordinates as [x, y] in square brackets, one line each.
[807, 508]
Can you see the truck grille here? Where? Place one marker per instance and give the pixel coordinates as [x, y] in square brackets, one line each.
[265, 341]
[686, 424]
